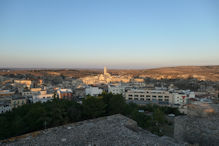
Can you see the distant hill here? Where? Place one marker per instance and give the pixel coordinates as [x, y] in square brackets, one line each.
[199, 72]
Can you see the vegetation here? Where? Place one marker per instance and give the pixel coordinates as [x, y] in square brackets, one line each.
[38, 116]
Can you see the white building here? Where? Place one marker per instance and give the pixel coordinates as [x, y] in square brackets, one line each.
[116, 89]
[5, 105]
[180, 99]
[4, 108]
[191, 94]
[93, 91]
[42, 97]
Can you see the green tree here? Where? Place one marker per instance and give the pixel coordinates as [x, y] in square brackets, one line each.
[158, 116]
[140, 118]
[93, 107]
[116, 104]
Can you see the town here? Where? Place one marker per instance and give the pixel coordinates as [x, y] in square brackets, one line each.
[170, 107]
[116, 72]
[18, 90]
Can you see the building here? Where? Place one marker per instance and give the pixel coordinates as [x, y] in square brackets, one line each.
[35, 89]
[105, 71]
[104, 78]
[5, 105]
[27, 83]
[116, 89]
[40, 81]
[42, 96]
[138, 80]
[151, 96]
[6, 93]
[17, 101]
[79, 93]
[93, 91]
[180, 99]
[65, 94]
[32, 91]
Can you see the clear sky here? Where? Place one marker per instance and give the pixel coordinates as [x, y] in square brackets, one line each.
[112, 33]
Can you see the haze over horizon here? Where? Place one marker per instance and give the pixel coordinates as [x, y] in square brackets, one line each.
[101, 68]
[130, 34]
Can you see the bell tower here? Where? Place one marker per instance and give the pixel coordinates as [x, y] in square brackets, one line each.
[105, 70]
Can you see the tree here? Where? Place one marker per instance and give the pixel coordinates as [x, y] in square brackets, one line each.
[74, 111]
[140, 118]
[31, 117]
[93, 107]
[116, 104]
[158, 116]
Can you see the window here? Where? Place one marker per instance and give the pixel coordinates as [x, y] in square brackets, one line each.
[160, 96]
[136, 95]
[142, 98]
[148, 96]
[148, 99]
[167, 100]
[166, 96]
[136, 98]
[130, 98]
[154, 96]
[160, 99]
[130, 95]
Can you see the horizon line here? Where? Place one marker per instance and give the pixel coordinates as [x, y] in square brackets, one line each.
[97, 68]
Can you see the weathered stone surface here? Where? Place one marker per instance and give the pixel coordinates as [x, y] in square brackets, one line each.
[203, 110]
[116, 130]
[201, 130]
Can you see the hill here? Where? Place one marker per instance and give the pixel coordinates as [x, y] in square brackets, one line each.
[210, 73]
[181, 72]
[199, 72]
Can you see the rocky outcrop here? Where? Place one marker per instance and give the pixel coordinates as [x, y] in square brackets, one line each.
[113, 130]
[201, 126]
[203, 110]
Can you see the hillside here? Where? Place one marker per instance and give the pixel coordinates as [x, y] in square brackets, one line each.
[199, 72]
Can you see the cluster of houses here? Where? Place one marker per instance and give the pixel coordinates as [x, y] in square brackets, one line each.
[136, 90]
[25, 94]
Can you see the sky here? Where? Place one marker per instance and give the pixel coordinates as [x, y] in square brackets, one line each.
[113, 33]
